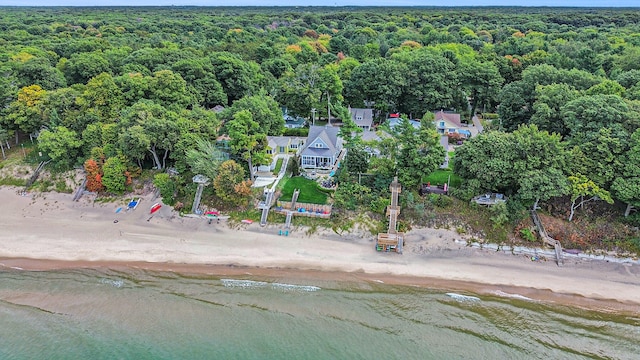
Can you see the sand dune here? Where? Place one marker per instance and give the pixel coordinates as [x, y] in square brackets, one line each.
[50, 226]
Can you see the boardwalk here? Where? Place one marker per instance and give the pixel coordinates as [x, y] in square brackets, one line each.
[392, 240]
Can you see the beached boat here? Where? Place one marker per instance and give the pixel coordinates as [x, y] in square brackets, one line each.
[155, 208]
[247, 221]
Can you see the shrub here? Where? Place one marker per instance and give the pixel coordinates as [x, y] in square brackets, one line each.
[500, 214]
[294, 166]
[379, 204]
[516, 210]
[527, 235]
[441, 201]
[167, 187]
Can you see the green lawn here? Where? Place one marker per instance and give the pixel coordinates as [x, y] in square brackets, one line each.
[278, 166]
[441, 176]
[309, 192]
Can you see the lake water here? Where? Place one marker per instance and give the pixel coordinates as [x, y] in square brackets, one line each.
[135, 314]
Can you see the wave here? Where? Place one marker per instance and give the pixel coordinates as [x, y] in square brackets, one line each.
[290, 287]
[461, 297]
[512, 296]
[250, 284]
[115, 283]
[243, 283]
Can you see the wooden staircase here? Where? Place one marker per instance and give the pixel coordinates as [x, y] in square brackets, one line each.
[548, 240]
[392, 240]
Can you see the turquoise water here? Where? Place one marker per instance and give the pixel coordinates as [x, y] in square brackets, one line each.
[106, 314]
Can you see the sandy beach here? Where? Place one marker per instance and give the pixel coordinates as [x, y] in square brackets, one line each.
[43, 231]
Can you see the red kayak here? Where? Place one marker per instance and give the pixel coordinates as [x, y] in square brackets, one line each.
[155, 208]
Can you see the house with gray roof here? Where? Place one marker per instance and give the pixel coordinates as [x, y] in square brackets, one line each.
[362, 117]
[322, 148]
[280, 145]
[394, 121]
[291, 122]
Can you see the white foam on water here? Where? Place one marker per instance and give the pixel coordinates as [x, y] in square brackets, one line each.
[17, 268]
[512, 296]
[461, 297]
[290, 287]
[250, 284]
[379, 281]
[114, 283]
[247, 284]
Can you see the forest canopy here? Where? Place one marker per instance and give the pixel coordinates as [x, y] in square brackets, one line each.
[136, 87]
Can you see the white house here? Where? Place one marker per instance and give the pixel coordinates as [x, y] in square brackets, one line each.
[449, 123]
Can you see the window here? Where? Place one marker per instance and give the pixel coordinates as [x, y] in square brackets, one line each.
[281, 149]
[319, 145]
[308, 161]
[293, 146]
[442, 123]
[269, 151]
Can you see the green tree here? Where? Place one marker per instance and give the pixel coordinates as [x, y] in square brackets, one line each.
[542, 184]
[238, 78]
[547, 108]
[167, 187]
[582, 187]
[586, 115]
[626, 187]
[199, 74]
[101, 97]
[205, 159]
[114, 178]
[169, 90]
[482, 83]
[26, 112]
[264, 110]
[603, 160]
[61, 144]
[247, 139]
[420, 153]
[38, 71]
[149, 126]
[379, 81]
[83, 66]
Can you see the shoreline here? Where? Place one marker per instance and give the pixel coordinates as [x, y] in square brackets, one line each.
[319, 277]
[49, 232]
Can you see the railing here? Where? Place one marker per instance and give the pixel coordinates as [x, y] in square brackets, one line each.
[548, 239]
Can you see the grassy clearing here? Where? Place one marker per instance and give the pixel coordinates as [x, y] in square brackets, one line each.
[309, 192]
[441, 176]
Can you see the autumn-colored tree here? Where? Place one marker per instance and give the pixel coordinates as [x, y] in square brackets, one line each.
[230, 185]
[94, 175]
